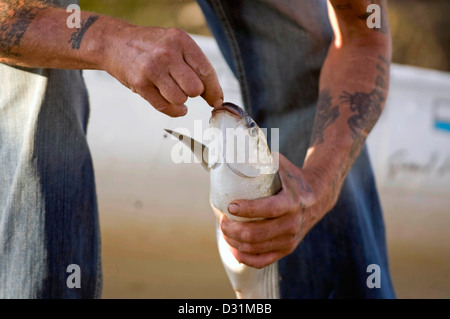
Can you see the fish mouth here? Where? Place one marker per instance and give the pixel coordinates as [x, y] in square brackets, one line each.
[230, 108]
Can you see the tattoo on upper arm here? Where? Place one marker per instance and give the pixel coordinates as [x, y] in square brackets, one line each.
[15, 18]
[78, 35]
[325, 116]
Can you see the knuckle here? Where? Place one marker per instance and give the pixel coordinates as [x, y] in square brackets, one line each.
[248, 236]
[138, 83]
[162, 55]
[176, 33]
[239, 257]
[161, 107]
[274, 207]
[246, 248]
[144, 62]
[195, 89]
[248, 207]
[176, 37]
[309, 199]
[179, 99]
[147, 66]
[205, 70]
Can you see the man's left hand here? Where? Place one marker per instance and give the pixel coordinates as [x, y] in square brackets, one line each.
[289, 215]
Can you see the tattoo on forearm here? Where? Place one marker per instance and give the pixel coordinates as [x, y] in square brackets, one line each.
[325, 116]
[15, 18]
[384, 60]
[304, 187]
[380, 82]
[78, 35]
[368, 107]
[365, 110]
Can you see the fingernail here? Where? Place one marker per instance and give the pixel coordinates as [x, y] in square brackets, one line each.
[233, 208]
[218, 103]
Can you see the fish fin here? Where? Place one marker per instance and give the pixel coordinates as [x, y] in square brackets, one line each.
[200, 151]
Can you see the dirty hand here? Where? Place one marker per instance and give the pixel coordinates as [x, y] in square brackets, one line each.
[164, 66]
[303, 200]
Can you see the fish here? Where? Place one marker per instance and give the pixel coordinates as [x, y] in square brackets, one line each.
[241, 166]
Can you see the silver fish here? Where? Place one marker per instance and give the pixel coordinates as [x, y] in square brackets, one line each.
[250, 173]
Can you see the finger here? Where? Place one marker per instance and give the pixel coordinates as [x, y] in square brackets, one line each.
[261, 231]
[187, 80]
[170, 90]
[283, 243]
[153, 96]
[266, 207]
[197, 60]
[257, 261]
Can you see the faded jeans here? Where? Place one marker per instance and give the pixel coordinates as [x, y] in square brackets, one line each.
[48, 206]
[276, 49]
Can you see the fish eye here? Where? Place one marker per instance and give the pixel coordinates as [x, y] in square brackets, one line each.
[253, 131]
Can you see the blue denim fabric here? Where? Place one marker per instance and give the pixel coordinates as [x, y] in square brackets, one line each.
[276, 49]
[48, 207]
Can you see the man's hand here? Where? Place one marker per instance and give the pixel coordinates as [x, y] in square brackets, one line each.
[303, 200]
[164, 66]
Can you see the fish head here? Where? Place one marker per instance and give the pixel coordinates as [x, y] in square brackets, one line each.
[238, 142]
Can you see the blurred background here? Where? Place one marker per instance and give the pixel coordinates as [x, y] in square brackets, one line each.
[420, 28]
[154, 248]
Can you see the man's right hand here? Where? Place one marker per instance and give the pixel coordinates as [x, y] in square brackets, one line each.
[164, 66]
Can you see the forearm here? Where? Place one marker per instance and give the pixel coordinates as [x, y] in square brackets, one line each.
[34, 34]
[352, 93]
[163, 65]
